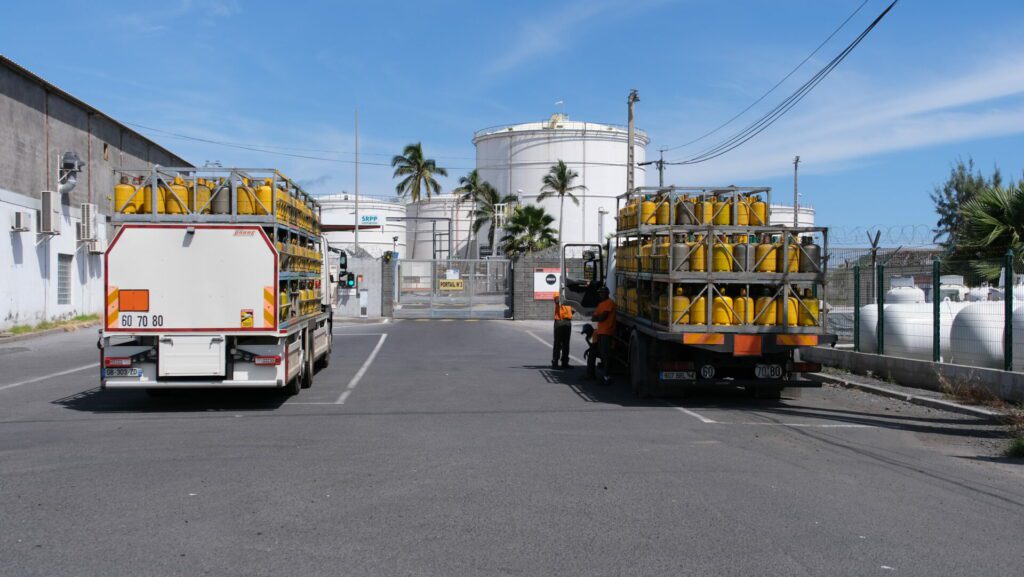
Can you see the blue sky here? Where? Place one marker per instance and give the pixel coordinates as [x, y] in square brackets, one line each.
[937, 80]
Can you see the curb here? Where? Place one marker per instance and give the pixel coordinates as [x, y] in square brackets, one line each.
[943, 405]
[64, 329]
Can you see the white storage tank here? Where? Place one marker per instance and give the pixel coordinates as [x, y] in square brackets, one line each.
[339, 218]
[516, 157]
[782, 215]
[420, 234]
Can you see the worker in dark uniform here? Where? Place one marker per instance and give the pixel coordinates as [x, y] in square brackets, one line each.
[604, 316]
[563, 332]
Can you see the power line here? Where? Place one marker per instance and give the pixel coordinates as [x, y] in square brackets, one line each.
[783, 107]
[777, 84]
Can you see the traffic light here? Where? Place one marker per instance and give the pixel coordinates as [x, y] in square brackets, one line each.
[350, 280]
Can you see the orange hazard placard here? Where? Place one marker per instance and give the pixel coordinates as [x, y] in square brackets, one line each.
[133, 300]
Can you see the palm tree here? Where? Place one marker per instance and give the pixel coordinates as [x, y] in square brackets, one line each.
[558, 182]
[468, 190]
[992, 223]
[419, 175]
[487, 209]
[418, 171]
[528, 230]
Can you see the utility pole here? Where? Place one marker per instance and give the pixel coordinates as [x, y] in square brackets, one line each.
[796, 195]
[633, 97]
[357, 180]
[661, 167]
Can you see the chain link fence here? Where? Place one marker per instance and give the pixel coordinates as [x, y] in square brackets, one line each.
[913, 303]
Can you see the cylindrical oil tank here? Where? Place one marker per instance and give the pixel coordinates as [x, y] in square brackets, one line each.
[976, 337]
[904, 295]
[515, 158]
[908, 329]
[782, 215]
[377, 234]
[420, 234]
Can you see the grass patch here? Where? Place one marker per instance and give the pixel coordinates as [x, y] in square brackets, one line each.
[1016, 448]
[25, 329]
[963, 391]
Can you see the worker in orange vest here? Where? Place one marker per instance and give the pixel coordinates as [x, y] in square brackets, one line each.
[604, 316]
[563, 332]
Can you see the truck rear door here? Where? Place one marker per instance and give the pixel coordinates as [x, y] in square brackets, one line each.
[582, 272]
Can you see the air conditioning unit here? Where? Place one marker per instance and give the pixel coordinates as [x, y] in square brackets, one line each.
[88, 221]
[21, 221]
[50, 215]
[96, 246]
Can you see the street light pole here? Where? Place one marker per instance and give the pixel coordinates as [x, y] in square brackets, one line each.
[796, 195]
[633, 98]
[600, 224]
[357, 181]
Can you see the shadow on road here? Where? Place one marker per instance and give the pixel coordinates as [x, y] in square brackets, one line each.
[96, 400]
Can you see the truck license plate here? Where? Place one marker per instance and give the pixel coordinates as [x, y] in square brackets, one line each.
[132, 372]
[768, 371]
[678, 375]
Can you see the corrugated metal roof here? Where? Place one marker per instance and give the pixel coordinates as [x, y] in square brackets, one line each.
[50, 87]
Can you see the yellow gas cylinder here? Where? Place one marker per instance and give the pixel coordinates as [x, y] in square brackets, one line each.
[705, 211]
[699, 311]
[758, 212]
[664, 248]
[177, 201]
[679, 304]
[123, 201]
[721, 256]
[632, 303]
[765, 310]
[664, 209]
[742, 208]
[791, 313]
[794, 257]
[744, 309]
[647, 212]
[723, 211]
[698, 255]
[199, 197]
[808, 315]
[620, 295]
[246, 198]
[721, 310]
[764, 256]
[663, 308]
[645, 256]
[161, 199]
[265, 195]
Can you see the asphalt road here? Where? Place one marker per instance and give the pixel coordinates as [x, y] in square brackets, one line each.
[458, 452]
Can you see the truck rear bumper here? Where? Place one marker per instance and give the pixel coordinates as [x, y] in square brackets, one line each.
[226, 384]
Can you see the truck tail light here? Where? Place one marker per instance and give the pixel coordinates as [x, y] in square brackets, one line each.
[268, 360]
[113, 362]
[805, 367]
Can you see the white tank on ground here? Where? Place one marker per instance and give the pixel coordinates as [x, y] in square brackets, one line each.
[420, 234]
[516, 157]
[339, 211]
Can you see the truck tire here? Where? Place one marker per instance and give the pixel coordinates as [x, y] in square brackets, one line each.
[324, 361]
[307, 362]
[639, 376]
[294, 386]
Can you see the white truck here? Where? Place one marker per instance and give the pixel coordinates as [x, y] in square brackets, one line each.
[222, 281]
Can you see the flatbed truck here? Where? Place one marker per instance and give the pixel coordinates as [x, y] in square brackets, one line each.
[219, 280]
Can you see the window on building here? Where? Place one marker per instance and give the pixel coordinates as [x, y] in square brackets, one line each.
[64, 279]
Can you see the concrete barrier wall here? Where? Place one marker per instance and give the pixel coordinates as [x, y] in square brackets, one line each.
[1008, 386]
[348, 299]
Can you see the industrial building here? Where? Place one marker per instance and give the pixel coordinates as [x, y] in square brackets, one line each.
[57, 161]
[514, 159]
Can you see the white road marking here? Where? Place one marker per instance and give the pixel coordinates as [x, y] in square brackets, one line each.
[694, 414]
[362, 370]
[812, 425]
[550, 345]
[337, 334]
[50, 376]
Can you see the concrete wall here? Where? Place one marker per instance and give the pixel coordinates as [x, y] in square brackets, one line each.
[348, 299]
[524, 306]
[389, 272]
[38, 124]
[1008, 386]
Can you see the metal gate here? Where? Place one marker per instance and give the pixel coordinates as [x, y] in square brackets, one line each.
[453, 289]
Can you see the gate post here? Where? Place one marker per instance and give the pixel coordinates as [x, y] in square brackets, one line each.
[1008, 313]
[880, 327]
[936, 322]
[856, 308]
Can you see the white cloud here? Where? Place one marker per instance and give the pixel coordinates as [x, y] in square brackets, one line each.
[851, 124]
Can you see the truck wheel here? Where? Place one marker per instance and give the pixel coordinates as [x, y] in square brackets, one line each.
[638, 366]
[292, 387]
[307, 362]
[325, 360]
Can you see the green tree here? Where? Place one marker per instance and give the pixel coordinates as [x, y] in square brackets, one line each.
[487, 209]
[468, 191]
[992, 223]
[963, 184]
[528, 230]
[418, 172]
[558, 182]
